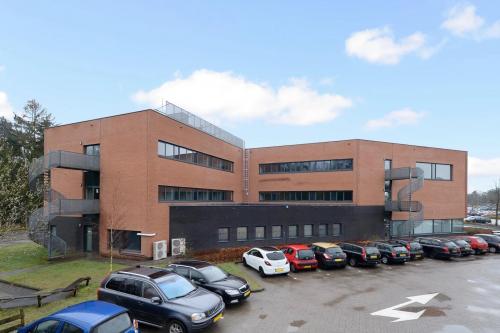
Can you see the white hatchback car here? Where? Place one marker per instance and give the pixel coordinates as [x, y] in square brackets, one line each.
[266, 260]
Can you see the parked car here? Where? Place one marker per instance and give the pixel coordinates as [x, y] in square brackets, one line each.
[160, 297]
[414, 247]
[300, 257]
[392, 253]
[439, 248]
[329, 255]
[361, 254]
[478, 245]
[478, 219]
[465, 248]
[267, 260]
[231, 288]
[492, 240]
[86, 317]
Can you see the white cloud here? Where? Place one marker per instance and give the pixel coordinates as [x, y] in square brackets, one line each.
[405, 116]
[225, 96]
[484, 167]
[380, 46]
[462, 20]
[5, 107]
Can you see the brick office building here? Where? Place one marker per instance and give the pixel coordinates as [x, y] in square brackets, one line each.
[160, 174]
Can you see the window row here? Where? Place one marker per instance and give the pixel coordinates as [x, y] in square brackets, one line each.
[277, 232]
[306, 196]
[307, 166]
[171, 193]
[436, 171]
[401, 228]
[179, 153]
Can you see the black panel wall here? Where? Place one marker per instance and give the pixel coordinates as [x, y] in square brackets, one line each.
[200, 224]
[70, 229]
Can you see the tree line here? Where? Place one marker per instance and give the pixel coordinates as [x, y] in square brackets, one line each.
[21, 141]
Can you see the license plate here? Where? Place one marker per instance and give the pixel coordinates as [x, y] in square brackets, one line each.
[306, 267]
[417, 255]
[338, 260]
[402, 255]
[279, 270]
[373, 257]
[218, 317]
[246, 293]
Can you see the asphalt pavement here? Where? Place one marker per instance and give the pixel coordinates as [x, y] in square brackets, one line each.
[463, 296]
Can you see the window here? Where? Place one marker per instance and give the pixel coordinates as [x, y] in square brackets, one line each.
[276, 231]
[260, 232]
[124, 240]
[307, 166]
[458, 225]
[117, 284]
[187, 155]
[388, 183]
[49, 326]
[424, 227]
[149, 291]
[336, 229]
[323, 230]
[306, 196]
[435, 171]
[68, 328]
[132, 287]
[182, 270]
[442, 226]
[292, 231]
[242, 233]
[308, 230]
[171, 193]
[223, 234]
[92, 150]
[118, 323]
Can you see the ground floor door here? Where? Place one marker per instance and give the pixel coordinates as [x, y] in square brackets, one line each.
[87, 238]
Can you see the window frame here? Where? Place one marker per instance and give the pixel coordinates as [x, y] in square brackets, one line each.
[228, 234]
[246, 234]
[331, 165]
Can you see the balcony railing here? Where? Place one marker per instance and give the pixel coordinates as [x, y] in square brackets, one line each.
[73, 207]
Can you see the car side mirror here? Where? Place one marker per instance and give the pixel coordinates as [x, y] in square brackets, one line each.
[156, 300]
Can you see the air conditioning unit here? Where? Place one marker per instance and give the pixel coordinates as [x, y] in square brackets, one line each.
[159, 250]
[178, 246]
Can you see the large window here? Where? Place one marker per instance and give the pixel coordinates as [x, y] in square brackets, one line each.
[171, 193]
[435, 171]
[388, 183]
[307, 166]
[442, 226]
[183, 154]
[276, 231]
[260, 232]
[93, 150]
[223, 234]
[306, 196]
[124, 240]
[242, 233]
[458, 225]
[424, 227]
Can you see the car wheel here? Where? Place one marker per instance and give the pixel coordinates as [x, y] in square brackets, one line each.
[493, 249]
[352, 262]
[261, 272]
[292, 268]
[175, 326]
[384, 260]
[245, 262]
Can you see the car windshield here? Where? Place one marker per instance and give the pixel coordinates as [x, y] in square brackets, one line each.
[481, 241]
[333, 250]
[400, 249]
[116, 324]
[415, 246]
[213, 273]
[461, 242]
[450, 244]
[371, 250]
[278, 255]
[175, 286]
[306, 254]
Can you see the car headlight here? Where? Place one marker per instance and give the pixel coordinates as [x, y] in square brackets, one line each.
[198, 316]
[232, 292]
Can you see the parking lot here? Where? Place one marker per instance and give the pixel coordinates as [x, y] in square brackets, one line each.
[343, 300]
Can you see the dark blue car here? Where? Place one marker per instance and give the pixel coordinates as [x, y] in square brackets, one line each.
[86, 317]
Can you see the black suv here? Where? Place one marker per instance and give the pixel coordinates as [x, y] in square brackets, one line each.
[232, 288]
[465, 248]
[392, 253]
[492, 240]
[416, 251]
[163, 298]
[361, 254]
[439, 248]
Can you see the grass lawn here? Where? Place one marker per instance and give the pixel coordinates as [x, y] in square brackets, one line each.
[240, 270]
[21, 256]
[51, 276]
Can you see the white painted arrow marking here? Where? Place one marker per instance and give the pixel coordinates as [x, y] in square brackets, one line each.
[405, 315]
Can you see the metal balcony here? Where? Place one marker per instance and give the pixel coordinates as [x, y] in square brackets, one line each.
[61, 207]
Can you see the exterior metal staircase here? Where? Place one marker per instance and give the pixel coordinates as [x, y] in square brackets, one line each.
[405, 203]
[55, 204]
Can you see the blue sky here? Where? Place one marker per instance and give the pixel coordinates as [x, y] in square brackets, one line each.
[273, 73]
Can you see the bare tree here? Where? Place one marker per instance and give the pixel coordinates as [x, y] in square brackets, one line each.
[115, 220]
[494, 198]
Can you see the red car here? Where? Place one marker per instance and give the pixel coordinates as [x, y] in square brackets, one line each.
[479, 245]
[300, 256]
